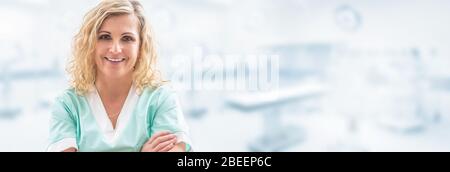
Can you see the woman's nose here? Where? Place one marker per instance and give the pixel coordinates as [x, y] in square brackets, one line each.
[116, 48]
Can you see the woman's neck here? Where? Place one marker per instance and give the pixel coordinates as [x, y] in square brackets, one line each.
[113, 88]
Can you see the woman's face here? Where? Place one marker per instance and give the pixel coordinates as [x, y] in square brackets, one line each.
[117, 47]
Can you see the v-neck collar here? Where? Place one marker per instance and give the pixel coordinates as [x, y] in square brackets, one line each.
[104, 123]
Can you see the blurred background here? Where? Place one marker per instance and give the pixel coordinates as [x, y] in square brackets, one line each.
[354, 75]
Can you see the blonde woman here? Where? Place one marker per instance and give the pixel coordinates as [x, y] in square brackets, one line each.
[117, 101]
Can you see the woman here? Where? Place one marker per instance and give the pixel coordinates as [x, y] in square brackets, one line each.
[117, 101]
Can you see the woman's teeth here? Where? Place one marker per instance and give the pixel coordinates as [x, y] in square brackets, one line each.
[115, 59]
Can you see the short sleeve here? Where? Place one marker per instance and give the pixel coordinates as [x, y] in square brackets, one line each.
[169, 117]
[62, 128]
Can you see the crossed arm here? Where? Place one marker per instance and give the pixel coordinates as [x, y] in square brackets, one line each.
[160, 142]
[163, 142]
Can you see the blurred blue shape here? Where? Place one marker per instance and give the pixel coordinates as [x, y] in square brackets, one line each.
[276, 136]
[348, 18]
[301, 60]
[441, 83]
[195, 110]
[9, 112]
[6, 110]
[8, 76]
[33, 73]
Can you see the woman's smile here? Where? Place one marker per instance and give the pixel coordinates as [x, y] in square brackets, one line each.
[114, 60]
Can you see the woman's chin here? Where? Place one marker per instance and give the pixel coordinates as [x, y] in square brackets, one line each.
[116, 74]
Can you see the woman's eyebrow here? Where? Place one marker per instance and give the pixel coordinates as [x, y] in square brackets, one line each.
[104, 31]
[126, 33]
[129, 33]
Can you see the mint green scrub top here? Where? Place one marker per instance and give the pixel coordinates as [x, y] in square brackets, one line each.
[82, 122]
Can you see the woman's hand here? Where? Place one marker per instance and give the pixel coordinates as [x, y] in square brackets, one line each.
[71, 149]
[160, 142]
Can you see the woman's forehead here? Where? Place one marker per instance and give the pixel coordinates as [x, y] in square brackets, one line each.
[120, 24]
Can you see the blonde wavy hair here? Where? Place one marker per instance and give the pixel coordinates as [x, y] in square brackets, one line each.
[82, 65]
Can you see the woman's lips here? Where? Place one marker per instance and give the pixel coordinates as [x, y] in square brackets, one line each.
[115, 60]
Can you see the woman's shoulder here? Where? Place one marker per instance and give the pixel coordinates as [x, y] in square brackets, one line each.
[69, 96]
[159, 94]
[160, 90]
[67, 102]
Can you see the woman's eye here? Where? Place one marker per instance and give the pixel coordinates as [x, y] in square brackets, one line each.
[128, 38]
[104, 37]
